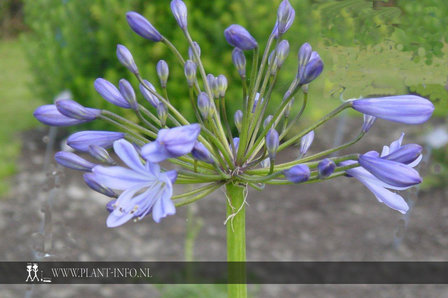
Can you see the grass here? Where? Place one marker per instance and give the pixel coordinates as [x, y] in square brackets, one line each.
[17, 105]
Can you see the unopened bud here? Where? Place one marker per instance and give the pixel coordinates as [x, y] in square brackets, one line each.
[162, 113]
[190, 72]
[204, 105]
[239, 60]
[272, 143]
[238, 118]
[128, 93]
[163, 72]
[326, 168]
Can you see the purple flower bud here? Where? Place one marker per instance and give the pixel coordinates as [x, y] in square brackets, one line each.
[236, 142]
[326, 168]
[289, 107]
[405, 154]
[311, 70]
[110, 93]
[285, 17]
[200, 152]
[212, 81]
[179, 10]
[83, 139]
[297, 174]
[49, 115]
[125, 58]
[305, 54]
[143, 27]
[282, 52]
[272, 142]
[128, 93]
[191, 53]
[73, 161]
[305, 142]
[368, 123]
[170, 143]
[204, 105]
[100, 154]
[239, 60]
[72, 109]
[151, 98]
[408, 109]
[91, 182]
[239, 37]
[390, 172]
[163, 72]
[238, 118]
[110, 206]
[190, 72]
[162, 113]
[267, 121]
[257, 97]
[222, 85]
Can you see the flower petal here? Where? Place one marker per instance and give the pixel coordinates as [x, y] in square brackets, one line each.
[154, 152]
[129, 155]
[119, 177]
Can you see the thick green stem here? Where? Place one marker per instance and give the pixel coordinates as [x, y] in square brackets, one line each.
[236, 239]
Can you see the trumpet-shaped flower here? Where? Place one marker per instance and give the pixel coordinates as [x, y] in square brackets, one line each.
[83, 139]
[145, 188]
[170, 143]
[408, 109]
[143, 27]
[50, 115]
[239, 37]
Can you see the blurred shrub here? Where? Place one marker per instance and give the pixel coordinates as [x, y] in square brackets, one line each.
[11, 17]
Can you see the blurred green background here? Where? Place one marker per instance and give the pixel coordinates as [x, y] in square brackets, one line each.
[368, 47]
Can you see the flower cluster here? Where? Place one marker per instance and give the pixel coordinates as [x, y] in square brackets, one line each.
[206, 151]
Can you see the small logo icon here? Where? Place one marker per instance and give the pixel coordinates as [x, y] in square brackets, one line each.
[32, 269]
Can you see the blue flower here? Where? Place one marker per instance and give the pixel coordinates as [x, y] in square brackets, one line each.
[170, 143]
[379, 188]
[305, 142]
[50, 115]
[408, 109]
[311, 69]
[298, 173]
[110, 93]
[143, 27]
[285, 18]
[72, 109]
[200, 152]
[326, 168]
[73, 161]
[239, 37]
[179, 10]
[125, 58]
[83, 139]
[145, 188]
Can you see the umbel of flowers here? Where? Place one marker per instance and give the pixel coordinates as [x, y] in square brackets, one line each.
[206, 152]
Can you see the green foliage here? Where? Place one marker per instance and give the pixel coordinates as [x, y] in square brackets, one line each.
[17, 106]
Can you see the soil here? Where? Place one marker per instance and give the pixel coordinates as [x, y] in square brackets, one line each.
[51, 215]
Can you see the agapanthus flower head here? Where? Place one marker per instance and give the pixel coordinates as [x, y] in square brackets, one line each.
[128, 93]
[163, 72]
[91, 182]
[391, 172]
[191, 52]
[73, 161]
[179, 10]
[311, 70]
[326, 167]
[297, 173]
[190, 72]
[305, 142]
[83, 139]
[238, 118]
[408, 109]
[142, 26]
[49, 115]
[125, 58]
[239, 60]
[239, 37]
[72, 109]
[204, 105]
[100, 154]
[170, 143]
[150, 97]
[272, 143]
[145, 187]
[368, 123]
[200, 152]
[285, 18]
[110, 93]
